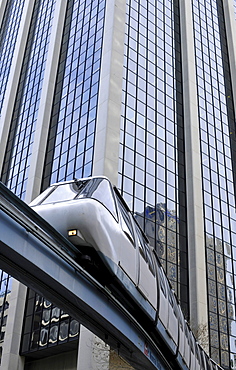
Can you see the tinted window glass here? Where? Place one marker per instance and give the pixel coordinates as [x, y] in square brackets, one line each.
[64, 192]
[125, 221]
[39, 199]
[162, 282]
[101, 190]
[104, 194]
[144, 249]
[141, 244]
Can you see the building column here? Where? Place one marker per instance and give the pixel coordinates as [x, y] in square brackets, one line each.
[93, 353]
[196, 244]
[10, 356]
[12, 85]
[106, 153]
[44, 114]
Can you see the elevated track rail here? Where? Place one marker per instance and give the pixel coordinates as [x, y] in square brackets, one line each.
[38, 256]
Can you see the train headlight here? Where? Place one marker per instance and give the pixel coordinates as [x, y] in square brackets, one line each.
[72, 232]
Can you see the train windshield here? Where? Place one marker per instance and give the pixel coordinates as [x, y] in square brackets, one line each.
[101, 190]
[64, 192]
[96, 188]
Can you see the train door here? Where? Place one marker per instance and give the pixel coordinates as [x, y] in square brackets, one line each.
[192, 352]
[183, 338]
[173, 325]
[163, 304]
[146, 282]
[127, 256]
[204, 359]
[168, 311]
[198, 357]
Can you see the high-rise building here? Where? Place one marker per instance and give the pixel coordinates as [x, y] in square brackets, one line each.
[143, 92]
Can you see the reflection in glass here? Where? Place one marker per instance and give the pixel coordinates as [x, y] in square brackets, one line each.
[63, 333]
[8, 35]
[34, 341]
[216, 121]
[53, 334]
[74, 328]
[55, 314]
[43, 337]
[46, 317]
[73, 120]
[22, 128]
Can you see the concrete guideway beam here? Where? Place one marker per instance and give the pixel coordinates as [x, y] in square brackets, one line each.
[55, 275]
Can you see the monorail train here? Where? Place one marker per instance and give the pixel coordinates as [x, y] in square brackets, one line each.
[96, 219]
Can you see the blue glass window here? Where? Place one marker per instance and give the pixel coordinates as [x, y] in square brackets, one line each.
[151, 165]
[21, 137]
[73, 122]
[8, 36]
[217, 134]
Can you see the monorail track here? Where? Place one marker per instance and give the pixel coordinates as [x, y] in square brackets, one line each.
[86, 300]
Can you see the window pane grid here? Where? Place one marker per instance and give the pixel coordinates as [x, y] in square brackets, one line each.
[216, 119]
[21, 137]
[152, 130]
[8, 35]
[75, 103]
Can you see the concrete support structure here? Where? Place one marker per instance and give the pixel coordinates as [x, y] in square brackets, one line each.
[93, 353]
[196, 251]
[109, 104]
[10, 356]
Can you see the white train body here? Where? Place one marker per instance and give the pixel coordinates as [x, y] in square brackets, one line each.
[92, 214]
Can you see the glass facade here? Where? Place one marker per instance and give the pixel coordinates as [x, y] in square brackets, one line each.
[70, 149]
[21, 136]
[73, 121]
[217, 134]
[151, 166]
[8, 35]
[151, 170]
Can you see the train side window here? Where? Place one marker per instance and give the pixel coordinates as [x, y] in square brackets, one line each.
[197, 352]
[191, 343]
[187, 335]
[100, 189]
[171, 299]
[125, 221]
[180, 318]
[175, 307]
[141, 244]
[162, 282]
[144, 249]
[151, 264]
[104, 194]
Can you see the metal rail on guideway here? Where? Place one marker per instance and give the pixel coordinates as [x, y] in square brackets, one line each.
[35, 254]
